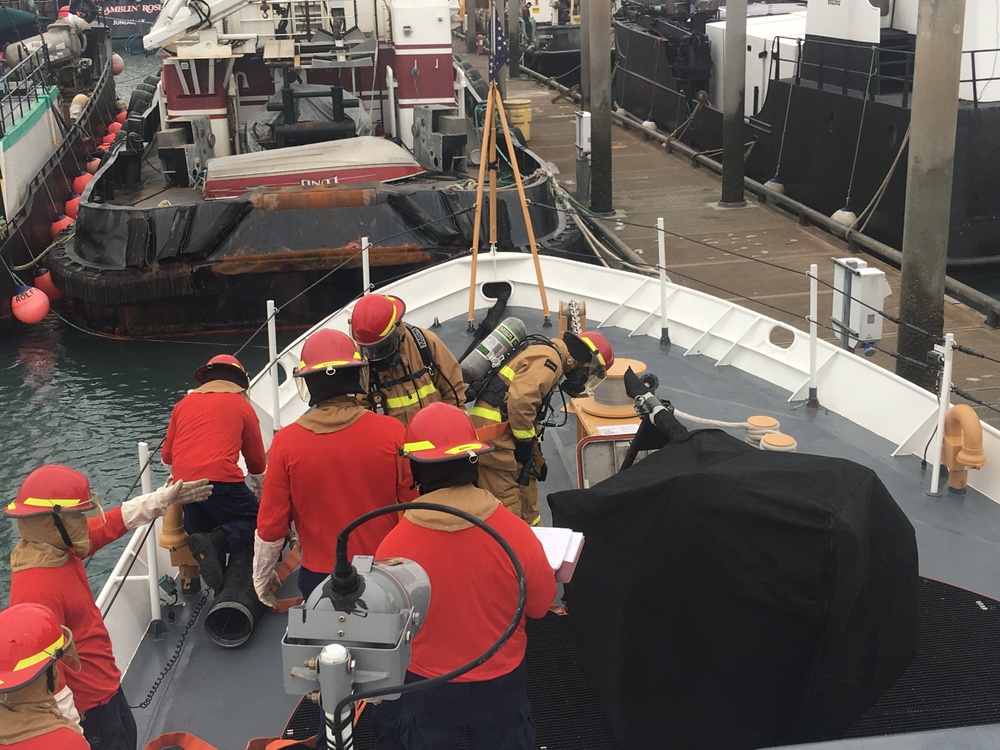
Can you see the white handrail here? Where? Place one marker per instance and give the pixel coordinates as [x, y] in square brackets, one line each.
[152, 568]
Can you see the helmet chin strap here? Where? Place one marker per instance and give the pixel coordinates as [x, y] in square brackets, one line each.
[61, 528]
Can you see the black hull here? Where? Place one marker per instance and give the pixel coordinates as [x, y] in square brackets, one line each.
[555, 53]
[212, 266]
[30, 231]
[827, 131]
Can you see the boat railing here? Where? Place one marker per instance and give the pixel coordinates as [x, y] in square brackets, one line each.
[21, 88]
[877, 72]
[129, 602]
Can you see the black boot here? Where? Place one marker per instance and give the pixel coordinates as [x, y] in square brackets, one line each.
[209, 550]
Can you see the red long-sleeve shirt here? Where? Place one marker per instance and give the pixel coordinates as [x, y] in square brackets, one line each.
[206, 434]
[323, 481]
[473, 587]
[66, 591]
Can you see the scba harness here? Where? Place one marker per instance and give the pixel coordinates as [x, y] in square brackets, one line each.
[378, 390]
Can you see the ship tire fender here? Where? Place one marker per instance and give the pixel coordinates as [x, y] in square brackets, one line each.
[139, 101]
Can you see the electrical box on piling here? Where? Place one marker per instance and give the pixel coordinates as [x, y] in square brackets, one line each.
[583, 157]
[859, 294]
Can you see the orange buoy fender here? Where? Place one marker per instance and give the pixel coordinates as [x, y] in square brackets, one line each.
[80, 182]
[29, 305]
[60, 223]
[72, 206]
[43, 281]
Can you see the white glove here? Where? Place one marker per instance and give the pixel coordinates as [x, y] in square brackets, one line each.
[145, 508]
[66, 704]
[265, 577]
[256, 484]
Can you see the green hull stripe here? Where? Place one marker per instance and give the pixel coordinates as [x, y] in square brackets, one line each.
[35, 113]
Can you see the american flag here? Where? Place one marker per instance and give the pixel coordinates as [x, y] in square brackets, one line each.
[500, 51]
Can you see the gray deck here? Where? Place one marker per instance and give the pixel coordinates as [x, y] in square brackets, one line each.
[230, 696]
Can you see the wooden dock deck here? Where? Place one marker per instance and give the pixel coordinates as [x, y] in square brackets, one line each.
[757, 256]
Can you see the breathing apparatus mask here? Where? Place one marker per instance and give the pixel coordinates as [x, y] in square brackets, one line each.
[384, 354]
[585, 375]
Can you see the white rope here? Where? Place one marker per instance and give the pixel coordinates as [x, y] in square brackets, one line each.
[754, 433]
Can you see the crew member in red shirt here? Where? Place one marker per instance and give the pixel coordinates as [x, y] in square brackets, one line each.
[208, 430]
[337, 461]
[468, 612]
[31, 643]
[51, 511]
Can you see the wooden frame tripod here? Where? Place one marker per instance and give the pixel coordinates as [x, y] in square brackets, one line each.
[488, 158]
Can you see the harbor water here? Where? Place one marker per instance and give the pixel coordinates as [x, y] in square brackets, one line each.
[85, 401]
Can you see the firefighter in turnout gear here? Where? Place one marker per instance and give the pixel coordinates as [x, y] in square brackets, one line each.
[409, 367]
[515, 402]
[32, 643]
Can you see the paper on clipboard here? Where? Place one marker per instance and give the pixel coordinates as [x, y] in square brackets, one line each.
[562, 549]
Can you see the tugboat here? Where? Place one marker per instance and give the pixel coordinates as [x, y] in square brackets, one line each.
[291, 141]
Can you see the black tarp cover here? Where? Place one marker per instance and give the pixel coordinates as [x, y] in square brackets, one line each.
[729, 597]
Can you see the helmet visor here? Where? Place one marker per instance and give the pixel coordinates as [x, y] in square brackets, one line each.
[302, 388]
[96, 511]
[594, 379]
[381, 353]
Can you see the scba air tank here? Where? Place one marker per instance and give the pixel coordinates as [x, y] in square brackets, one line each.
[491, 350]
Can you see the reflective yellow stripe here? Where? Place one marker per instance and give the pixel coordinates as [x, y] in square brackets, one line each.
[392, 322]
[523, 434]
[507, 372]
[486, 413]
[400, 401]
[331, 363]
[39, 502]
[420, 445]
[43, 655]
[536, 522]
[464, 448]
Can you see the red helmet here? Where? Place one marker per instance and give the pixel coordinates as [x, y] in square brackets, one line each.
[31, 639]
[52, 487]
[226, 363]
[328, 350]
[601, 345]
[375, 326]
[441, 432]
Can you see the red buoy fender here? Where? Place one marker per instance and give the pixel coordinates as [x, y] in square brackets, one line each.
[29, 304]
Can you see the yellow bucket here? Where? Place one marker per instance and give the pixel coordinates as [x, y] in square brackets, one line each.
[519, 115]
